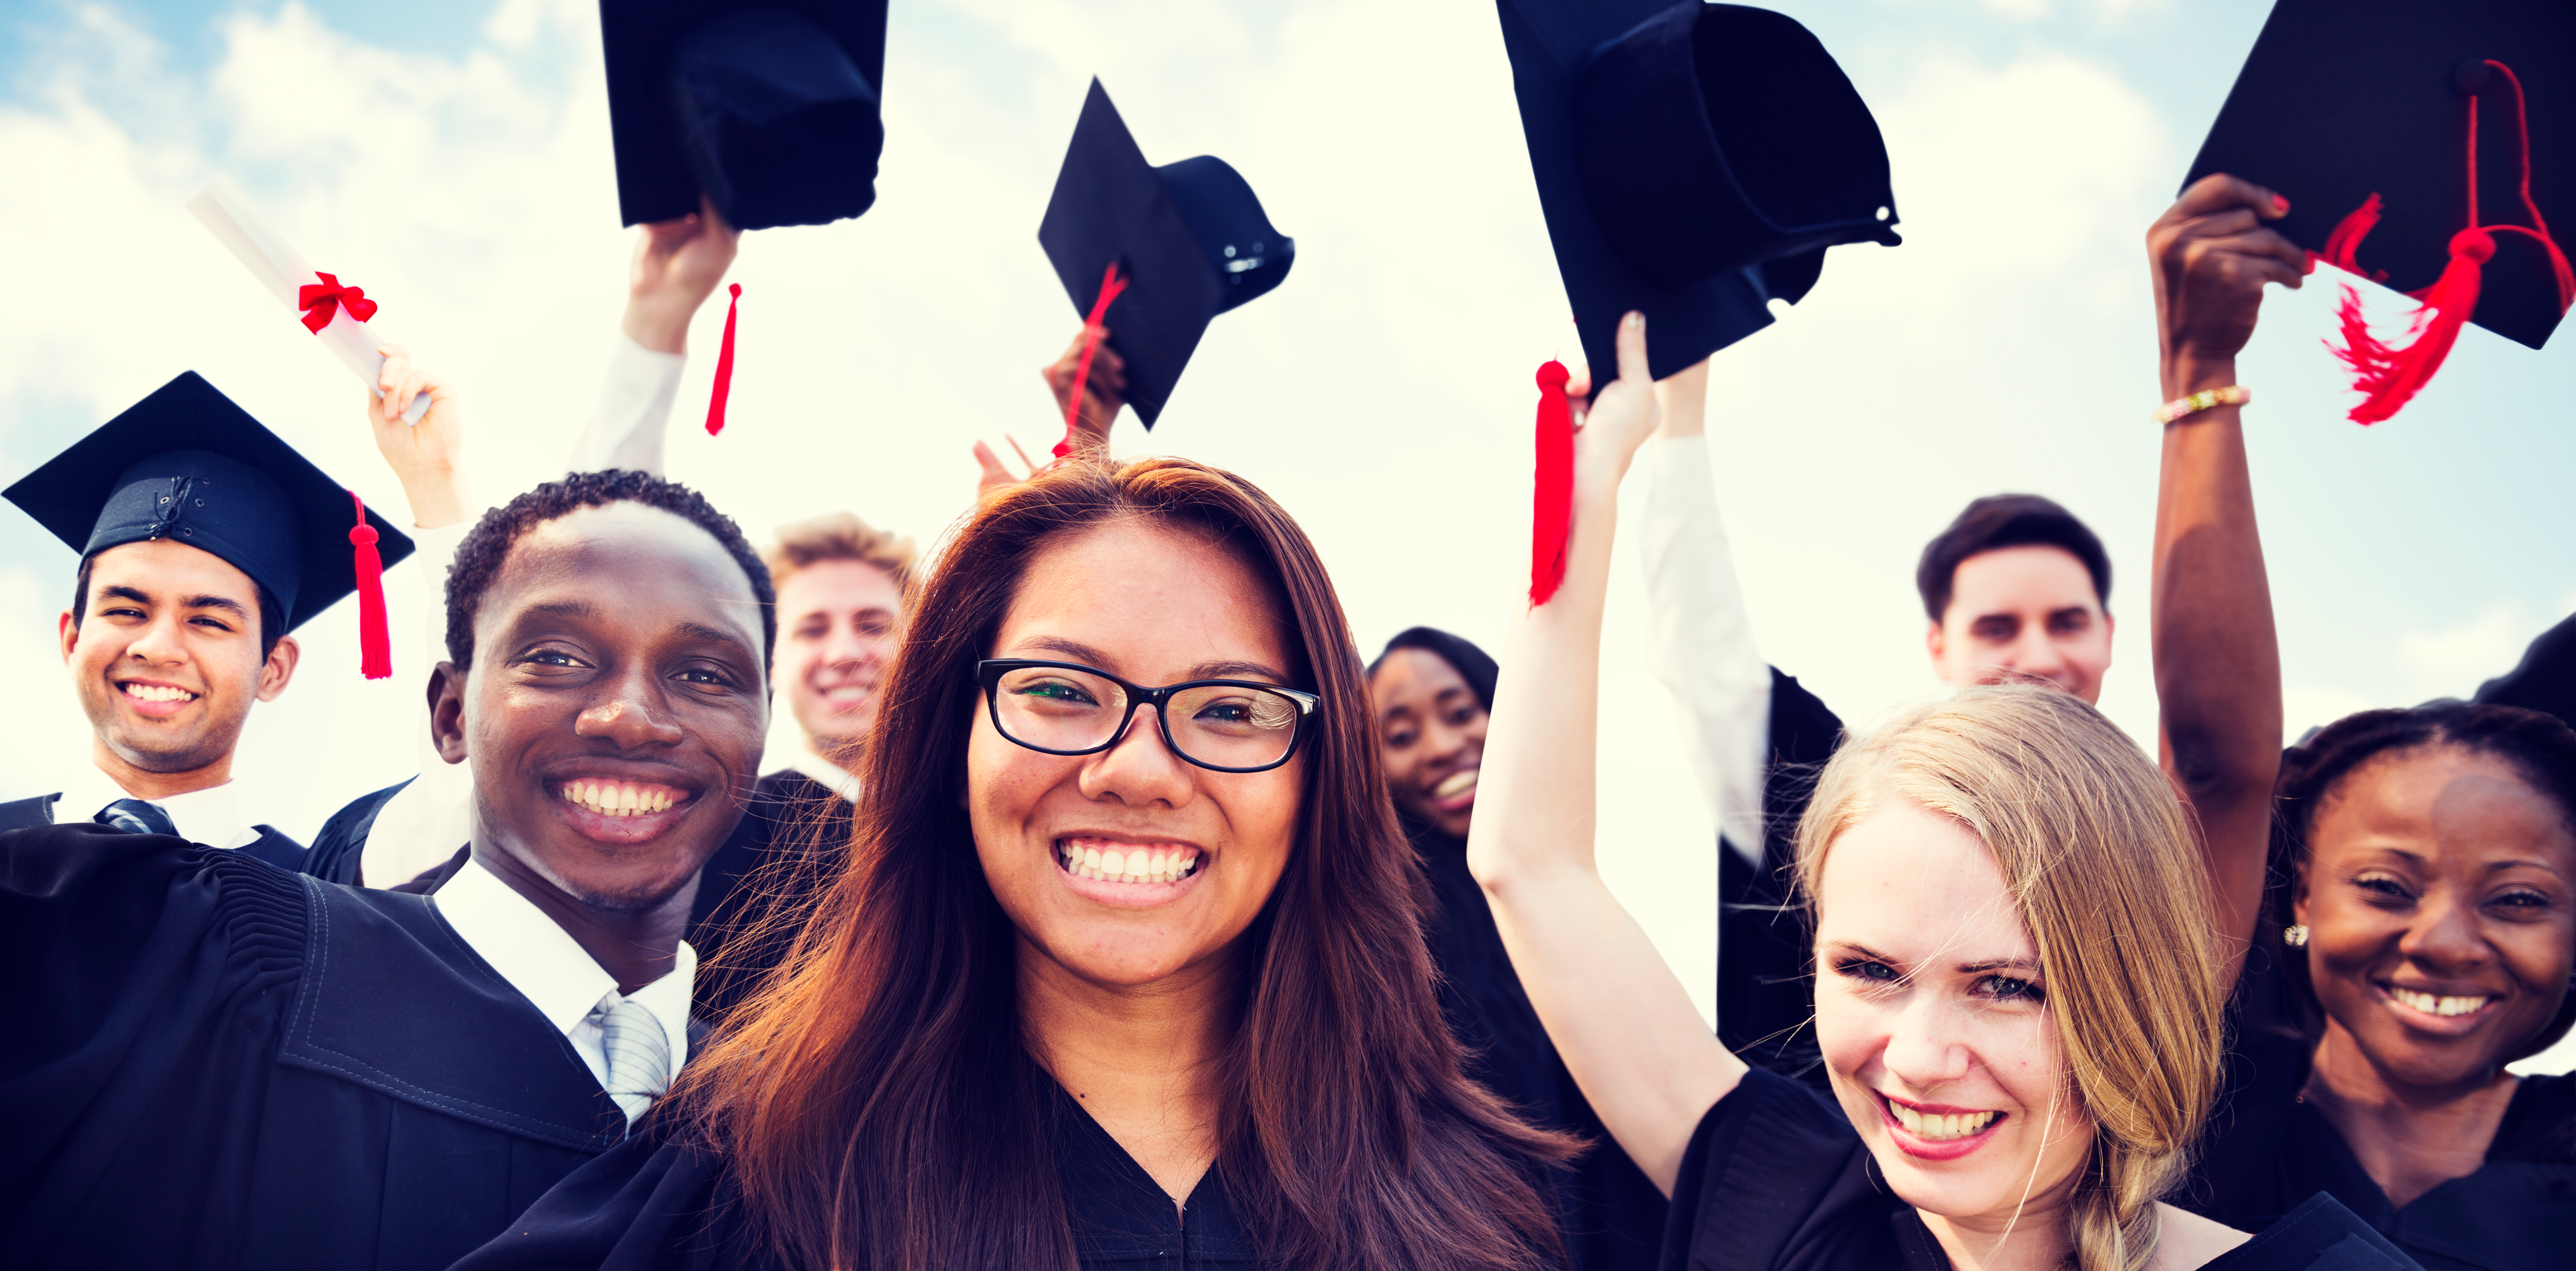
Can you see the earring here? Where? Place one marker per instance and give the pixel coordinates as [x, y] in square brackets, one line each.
[2295, 935]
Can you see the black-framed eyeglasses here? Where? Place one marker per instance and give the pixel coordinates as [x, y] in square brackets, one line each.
[1066, 708]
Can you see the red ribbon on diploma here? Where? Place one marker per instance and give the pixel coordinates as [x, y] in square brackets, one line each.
[320, 300]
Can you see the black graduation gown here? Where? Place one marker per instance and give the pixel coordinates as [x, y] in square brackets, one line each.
[1765, 988]
[1610, 1213]
[1775, 1179]
[213, 1063]
[662, 1203]
[271, 846]
[2267, 1150]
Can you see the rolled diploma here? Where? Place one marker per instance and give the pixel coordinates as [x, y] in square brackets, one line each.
[227, 214]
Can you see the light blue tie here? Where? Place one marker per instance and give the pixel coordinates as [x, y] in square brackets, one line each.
[135, 816]
[639, 1053]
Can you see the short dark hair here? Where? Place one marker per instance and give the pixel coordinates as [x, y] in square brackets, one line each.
[487, 545]
[1998, 521]
[2540, 748]
[272, 616]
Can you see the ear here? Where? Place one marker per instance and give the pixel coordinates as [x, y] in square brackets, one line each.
[447, 711]
[70, 633]
[1936, 644]
[2299, 895]
[279, 668]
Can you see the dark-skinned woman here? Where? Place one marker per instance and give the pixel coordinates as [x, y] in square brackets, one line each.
[1125, 966]
[1432, 692]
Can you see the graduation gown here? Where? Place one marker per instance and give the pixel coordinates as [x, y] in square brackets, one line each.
[271, 846]
[214, 1063]
[1775, 1179]
[1766, 991]
[661, 1202]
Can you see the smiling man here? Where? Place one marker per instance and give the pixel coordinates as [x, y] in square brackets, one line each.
[204, 541]
[232, 1064]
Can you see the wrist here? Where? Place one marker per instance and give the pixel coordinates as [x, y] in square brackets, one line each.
[437, 497]
[653, 327]
[2186, 373]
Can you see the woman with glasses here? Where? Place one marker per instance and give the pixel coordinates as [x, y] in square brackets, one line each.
[1125, 965]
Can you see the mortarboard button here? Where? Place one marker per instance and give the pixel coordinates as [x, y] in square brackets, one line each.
[1189, 239]
[771, 109]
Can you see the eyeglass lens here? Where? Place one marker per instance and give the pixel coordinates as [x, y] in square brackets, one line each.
[1229, 726]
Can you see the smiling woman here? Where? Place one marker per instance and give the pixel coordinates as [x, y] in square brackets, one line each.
[1125, 961]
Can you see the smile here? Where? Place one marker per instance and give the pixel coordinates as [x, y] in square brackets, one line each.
[1118, 861]
[620, 798]
[2440, 1007]
[143, 692]
[1937, 1134]
[1455, 784]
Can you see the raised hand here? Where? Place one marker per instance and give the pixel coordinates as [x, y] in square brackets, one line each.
[1104, 391]
[2212, 253]
[1618, 419]
[427, 457]
[997, 475]
[677, 266]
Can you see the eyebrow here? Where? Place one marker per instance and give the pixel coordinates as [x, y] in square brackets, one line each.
[567, 608]
[1224, 669]
[701, 631]
[1965, 968]
[209, 601]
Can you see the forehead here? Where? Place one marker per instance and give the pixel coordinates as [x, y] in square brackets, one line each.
[1913, 884]
[839, 586]
[2444, 802]
[641, 563]
[2028, 578]
[1154, 602]
[162, 569]
[1407, 676]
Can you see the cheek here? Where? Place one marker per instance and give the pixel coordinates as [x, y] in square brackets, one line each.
[1850, 1032]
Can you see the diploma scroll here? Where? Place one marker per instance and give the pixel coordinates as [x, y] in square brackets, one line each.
[229, 215]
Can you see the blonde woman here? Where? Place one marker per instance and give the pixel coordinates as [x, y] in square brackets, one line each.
[2018, 970]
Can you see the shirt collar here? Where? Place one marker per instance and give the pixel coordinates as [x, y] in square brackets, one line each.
[542, 960]
[211, 816]
[834, 777]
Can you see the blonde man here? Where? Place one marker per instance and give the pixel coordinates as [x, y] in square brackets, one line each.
[843, 587]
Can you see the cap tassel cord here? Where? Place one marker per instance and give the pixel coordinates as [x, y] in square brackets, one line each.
[1552, 512]
[724, 364]
[2389, 375]
[375, 635]
[1110, 285]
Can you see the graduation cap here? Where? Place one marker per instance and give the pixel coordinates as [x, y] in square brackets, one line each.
[2419, 145]
[187, 465]
[1166, 248]
[770, 108]
[1694, 161]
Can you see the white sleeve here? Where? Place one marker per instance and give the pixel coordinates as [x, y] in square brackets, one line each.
[426, 821]
[634, 411]
[1700, 640]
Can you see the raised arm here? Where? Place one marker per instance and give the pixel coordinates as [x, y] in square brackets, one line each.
[677, 266]
[1617, 1013]
[2218, 663]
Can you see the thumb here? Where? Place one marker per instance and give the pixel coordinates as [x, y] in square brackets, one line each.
[1632, 349]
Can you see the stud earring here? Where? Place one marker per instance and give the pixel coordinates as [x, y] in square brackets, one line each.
[2295, 935]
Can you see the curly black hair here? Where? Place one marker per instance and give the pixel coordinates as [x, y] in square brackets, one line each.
[2542, 748]
[479, 557]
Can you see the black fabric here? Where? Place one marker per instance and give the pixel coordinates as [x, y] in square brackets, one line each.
[789, 845]
[2268, 1151]
[1609, 1212]
[216, 1063]
[1775, 1179]
[2545, 680]
[1765, 988]
[664, 1203]
[24, 814]
[335, 853]
[272, 847]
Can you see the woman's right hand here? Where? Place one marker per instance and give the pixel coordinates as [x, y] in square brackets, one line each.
[427, 457]
[2212, 253]
[1103, 390]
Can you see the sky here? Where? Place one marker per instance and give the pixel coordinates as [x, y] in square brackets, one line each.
[453, 158]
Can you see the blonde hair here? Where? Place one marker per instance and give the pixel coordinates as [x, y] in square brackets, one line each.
[840, 536]
[2107, 878]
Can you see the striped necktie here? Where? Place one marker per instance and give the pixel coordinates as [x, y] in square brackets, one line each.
[639, 1053]
[134, 816]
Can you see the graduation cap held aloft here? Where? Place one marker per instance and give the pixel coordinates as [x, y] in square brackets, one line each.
[1694, 161]
[769, 107]
[1153, 253]
[187, 465]
[2423, 145]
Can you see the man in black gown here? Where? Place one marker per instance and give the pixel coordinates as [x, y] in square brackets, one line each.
[212, 1061]
[204, 541]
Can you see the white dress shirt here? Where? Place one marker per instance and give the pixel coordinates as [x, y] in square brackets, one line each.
[211, 816]
[837, 779]
[1700, 641]
[634, 411]
[551, 969]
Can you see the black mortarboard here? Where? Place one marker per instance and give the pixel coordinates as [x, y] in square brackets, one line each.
[188, 465]
[2344, 99]
[1189, 238]
[771, 108]
[1694, 162]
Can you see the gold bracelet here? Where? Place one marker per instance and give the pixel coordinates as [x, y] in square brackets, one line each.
[2201, 401]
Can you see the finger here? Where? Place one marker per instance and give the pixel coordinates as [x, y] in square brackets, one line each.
[2219, 224]
[1025, 461]
[1632, 350]
[715, 220]
[990, 463]
[2268, 243]
[2219, 190]
[1578, 383]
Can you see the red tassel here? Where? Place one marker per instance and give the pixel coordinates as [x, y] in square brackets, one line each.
[2388, 375]
[724, 365]
[2346, 239]
[375, 637]
[1552, 514]
[1110, 285]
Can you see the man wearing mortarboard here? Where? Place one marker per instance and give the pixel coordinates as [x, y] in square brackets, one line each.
[204, 541]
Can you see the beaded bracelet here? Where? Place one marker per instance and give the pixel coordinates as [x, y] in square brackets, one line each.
[2201, 401]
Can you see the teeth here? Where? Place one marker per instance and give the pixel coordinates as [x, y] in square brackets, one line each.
[619, 798]
[1127, 864]
[2432, 1005]
[157, 693]
[1938, 1126]
[1455, 784]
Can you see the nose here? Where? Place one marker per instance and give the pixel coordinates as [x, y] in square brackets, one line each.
[847, 647]
[2445, 936]
[159, 642]
[626, 719]
[1923, 1049]
[2036, 654]
[1139, 768]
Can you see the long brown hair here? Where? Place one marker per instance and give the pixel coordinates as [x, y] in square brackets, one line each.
[875, 1099]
